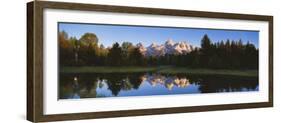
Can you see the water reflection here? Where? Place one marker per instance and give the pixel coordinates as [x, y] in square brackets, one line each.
[168, 81]
[73, 86]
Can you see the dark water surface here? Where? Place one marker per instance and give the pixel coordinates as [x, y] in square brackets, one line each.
[75, 86]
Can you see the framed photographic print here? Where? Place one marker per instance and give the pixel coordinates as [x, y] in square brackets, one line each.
[95, 61]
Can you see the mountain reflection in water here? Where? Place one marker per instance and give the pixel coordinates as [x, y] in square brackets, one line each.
[73, 86]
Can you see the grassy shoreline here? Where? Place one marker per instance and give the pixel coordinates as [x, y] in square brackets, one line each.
[248, 73]
[161, 69]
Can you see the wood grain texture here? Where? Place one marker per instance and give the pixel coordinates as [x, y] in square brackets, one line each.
[30, 88]
[270, 65]
[35, 111]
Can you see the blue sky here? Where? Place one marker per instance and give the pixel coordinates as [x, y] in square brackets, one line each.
[108, 34]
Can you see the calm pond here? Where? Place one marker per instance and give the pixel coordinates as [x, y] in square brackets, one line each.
[75, 86]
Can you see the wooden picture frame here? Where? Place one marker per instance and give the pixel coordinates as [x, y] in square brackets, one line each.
[35, 60]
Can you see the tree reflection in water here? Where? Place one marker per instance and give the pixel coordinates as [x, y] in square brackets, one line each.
[72, 86]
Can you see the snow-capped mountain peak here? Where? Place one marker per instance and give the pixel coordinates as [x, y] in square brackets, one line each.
[169, 47]
[169, 42]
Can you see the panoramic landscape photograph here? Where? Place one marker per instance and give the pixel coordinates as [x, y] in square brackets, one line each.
[104, 60]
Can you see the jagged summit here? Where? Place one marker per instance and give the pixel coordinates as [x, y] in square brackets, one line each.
[169, 47]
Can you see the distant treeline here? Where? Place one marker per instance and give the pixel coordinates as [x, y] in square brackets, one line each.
[221, 55]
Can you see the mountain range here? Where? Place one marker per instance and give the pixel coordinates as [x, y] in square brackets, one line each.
[169, 47]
